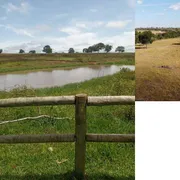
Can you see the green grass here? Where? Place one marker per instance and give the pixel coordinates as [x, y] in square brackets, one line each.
[103, 160]
[35, 62]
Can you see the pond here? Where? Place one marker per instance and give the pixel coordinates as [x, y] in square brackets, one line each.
[42, 79]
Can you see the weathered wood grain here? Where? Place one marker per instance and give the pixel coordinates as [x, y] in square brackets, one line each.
[67, 100]
[80, 132]
[110, 100]
[11, 139]
[37, 101]
[125, 138]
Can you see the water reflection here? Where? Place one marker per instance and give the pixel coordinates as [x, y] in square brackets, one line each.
[52, 78]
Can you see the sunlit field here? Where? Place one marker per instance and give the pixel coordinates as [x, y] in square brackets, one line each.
[158, 71]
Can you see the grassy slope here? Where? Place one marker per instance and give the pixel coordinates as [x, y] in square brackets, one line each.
[152, 81]
[103, 160]
[34, 62]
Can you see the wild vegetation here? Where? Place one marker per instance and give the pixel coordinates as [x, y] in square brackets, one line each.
[148, 35]
[158, 71]
[145, 37]
[35, 62]
[56, 161]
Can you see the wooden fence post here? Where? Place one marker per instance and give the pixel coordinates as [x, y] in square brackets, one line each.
[80, 132]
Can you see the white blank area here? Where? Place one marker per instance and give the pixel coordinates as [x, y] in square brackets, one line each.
[157, 140]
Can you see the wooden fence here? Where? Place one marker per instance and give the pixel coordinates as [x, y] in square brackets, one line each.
[81, 101]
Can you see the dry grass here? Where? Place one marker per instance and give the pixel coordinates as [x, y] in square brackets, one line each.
[158, 71]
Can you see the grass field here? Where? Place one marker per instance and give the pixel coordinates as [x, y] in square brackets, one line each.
[34, 62]
[158, 71]
[104, 161]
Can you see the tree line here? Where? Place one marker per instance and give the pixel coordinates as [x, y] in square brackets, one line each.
[168, 34]
[147, 37]
[94, 48]
[158, 28]
[100, 46]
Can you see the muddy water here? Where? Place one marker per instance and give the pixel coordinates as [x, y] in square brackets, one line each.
[53, 78]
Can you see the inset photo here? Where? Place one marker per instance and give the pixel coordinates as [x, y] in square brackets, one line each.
[67, 90]
[157, 39]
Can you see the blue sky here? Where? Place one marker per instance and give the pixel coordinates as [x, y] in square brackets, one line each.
[31, 24]
[160, 13]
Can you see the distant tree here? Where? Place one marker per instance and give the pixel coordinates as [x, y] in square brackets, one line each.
[108, 48]
[120, 49]
[146, 37]
[71, 50]
[90, 49]
[1, 51]
[32, 52]
[47, 49]
[159, 36]
[99, 46]
[137, 37]
[85, 50]
[21, 51]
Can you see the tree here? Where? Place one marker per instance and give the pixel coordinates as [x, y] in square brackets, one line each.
[21, 51]
[120, 49]
[137, 37]
[99, 46]
[71, 50]
[90, 49]
[32, 52]
[1, 51]
[108, 48]
[146, 37]
[47, 49]
[85, 50]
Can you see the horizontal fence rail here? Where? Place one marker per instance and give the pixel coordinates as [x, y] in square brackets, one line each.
[37, 101]
[45, 138]
[66, 100]
[110, 100]
[110, 138]
[80, 101]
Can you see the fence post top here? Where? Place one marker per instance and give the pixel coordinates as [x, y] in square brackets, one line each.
[81, 95]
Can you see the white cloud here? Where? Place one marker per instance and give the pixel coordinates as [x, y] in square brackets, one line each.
[17, 30]
[131, 3]
[93, 10]
[98, 23]
[59, 16]
[22, 8]
[30, 32]
[77, 41]
[175, 6]
[70, 30]
[81, 25]
[43, 27]
[125, 39]
[3, 18]
[88, 24]
[118, 24]
[23, 45]
[155, 4]
[139, 1]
